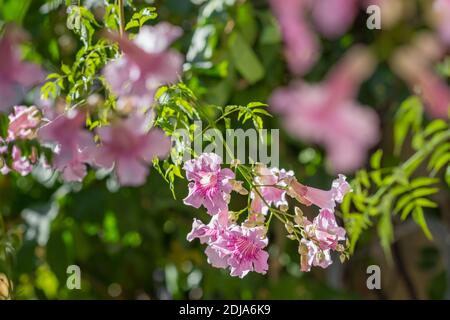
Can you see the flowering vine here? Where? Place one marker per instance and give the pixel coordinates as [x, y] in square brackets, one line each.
[115, 109]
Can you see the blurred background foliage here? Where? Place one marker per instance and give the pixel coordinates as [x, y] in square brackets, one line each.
[130, 242]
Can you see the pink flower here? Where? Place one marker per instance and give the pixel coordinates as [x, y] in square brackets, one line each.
[334, 17]
[231, 246]
[23, 122]
[324, 199]
[15, 76]
[21, 164]
[441, 8]
[312, 255]
[75, 145]
[415, 68]
[273, 190]
[130, 146]
[210, 232]
[217, 227]
[326, 113]
[210, 184]
[244, 248]
[146, 63]
[435, 92]
[301, 45]
[325, 230]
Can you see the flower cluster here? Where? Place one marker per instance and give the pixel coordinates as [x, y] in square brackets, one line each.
[126, 145]
[22, 127]
[146, 64]
[241, 247]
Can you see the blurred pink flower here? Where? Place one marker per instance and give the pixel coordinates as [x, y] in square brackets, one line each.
[130, 146]
[415, 67]
[146, 63]
[325, 230]
[210, 184]
[441, 9]
[21, 164]
[312, 255]
[273, 190]
[334, 17]
[301, 45]
[23, 122]
[435, 92]
[75, 145]
[16, 76]
[327, 114]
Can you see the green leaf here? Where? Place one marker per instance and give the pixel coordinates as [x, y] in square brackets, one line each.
[385, 228]
[438, 154]
[441, 162]
[14, 10]
[244, 58]
[421, 192]
[427, 203]
[375, 160]
[419, 218]
[80, 20]
[409, 116]
[423, 181]
[407, 210]
[434, 126]
[139, 18]
[246, 22]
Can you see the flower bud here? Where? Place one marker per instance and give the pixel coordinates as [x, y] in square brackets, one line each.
[4, 287]
[235, 163]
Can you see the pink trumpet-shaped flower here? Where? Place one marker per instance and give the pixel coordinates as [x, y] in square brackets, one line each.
[231, 246]
[312, 255]
[23, 122]
[272, 190]
[130, 146]
[327, 114]
[217, 227]
[334, 17]
[415, 68]
[245, 249]
[21, 164]
[324, 199]
[435, 92]
[16, 76]
[146, 64]
[210, 184]
[210, 232]
[441, 8]
[325, 230]
[301, 45]
[74, 144]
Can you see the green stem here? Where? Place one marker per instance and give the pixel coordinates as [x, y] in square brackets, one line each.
[245, 172]
[121, 17]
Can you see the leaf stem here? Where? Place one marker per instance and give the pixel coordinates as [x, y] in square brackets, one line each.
[121, 17]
